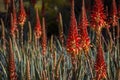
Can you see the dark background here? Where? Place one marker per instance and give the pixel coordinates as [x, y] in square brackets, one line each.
[52, 8]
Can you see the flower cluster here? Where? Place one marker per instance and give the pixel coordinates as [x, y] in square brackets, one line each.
[13, 19]
[37, 28]
[100, 65]
[73, 39]
[21, 14]
[12, 68]
[82, 26]
[97, 15]
[14, 13]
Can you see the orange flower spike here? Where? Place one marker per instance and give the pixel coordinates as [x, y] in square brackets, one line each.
[100, 65]
[14, 12]
[98, 17]
[14, 15]
[83, 24]
[12, 68]
[84, 21]
[85, 40]
[72, 44]
[12, 28]
[21, 14]
[44, 38]
[37, 28]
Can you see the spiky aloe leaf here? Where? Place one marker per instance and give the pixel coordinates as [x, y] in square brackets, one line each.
[61, 35]
[30, 33]
[3, 68]
[57, 69]
[28, 70]
[3, 34]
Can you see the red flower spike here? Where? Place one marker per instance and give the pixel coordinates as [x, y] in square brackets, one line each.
[37, 28]
[12, 28]
[73, 39]
[12, 68]
[14, 12]
[113, 15]
[82, 26]
[83, 22]
[14, 15]
[97, 16]
[22, 14]
[44, 38]
[85, 41]
[100, 65]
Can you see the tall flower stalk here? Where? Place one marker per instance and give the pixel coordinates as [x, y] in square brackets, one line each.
[97, 16]
[85, 41]
[13, 28]
[82, 26]
[44, 38]
[21, 19]
[12, 67]
[72, 42]
[100, 65]
[14, 14]
[37, 28]
[21, 14]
